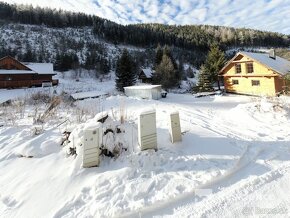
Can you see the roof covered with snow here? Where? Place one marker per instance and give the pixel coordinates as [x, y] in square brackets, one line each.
[148, 72]
[40, 68]
[91, 94]
[280, 65]
[33, 68]
[143, 87]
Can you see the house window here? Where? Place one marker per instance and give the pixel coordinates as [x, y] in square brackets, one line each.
[235, 82]
[238, 68]
[255, 82]
[250, 68]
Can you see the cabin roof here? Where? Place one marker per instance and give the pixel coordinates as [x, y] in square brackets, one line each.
[41, 68]
[148, 72]
[36, 68]
[89, 94]
[143, 87]
[279, 65]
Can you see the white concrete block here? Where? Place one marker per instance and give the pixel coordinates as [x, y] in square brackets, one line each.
[91, 152]
[175, 129]
[147, 133]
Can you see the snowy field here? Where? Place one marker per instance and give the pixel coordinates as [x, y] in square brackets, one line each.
[233, 161]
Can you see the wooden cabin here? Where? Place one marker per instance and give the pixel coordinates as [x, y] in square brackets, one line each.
[16, 74]
[255, 74]
[146, 75]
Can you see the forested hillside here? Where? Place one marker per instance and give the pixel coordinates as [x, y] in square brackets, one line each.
[189, 43]
[285, 53]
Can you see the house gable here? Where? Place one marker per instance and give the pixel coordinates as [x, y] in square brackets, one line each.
[10, 63]
[245, 62]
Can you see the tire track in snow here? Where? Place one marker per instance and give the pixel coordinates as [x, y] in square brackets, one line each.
[224, 198]
[195, 118]
[249, 155]
[246, 161]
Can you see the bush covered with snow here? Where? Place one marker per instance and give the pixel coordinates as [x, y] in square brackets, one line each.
[116, 136]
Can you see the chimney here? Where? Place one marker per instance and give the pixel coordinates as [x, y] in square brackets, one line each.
[272, 54]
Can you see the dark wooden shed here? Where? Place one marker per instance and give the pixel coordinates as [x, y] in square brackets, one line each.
[146, 75]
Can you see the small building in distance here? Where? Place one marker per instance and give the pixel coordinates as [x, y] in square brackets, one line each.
[255, 74]
[85, 95]
[16, 74]
[146, 75]
[144, 91]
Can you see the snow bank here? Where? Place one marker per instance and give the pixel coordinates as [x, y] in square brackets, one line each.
[46, 143]
[263, 110]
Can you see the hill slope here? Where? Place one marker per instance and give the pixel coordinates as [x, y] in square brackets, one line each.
[192, 41]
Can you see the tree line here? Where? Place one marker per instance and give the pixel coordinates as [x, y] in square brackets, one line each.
[168, 72]
[198, 37]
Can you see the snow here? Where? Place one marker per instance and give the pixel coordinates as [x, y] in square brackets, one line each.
[35, 68]
[279, 64]
[148, 72]
[233, 161]
[41, 68]
[45, 145]
[147, 111]
[143, 87]
[13, 94]
[91, 94]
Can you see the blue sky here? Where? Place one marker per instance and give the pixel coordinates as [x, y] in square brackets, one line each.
[272, 15]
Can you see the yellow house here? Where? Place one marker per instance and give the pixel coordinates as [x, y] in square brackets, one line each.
[255, 73]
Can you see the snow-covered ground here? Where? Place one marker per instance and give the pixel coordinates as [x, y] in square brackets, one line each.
[233, 161]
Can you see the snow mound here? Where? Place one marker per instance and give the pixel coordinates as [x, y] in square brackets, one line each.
[263, 110]
[39, 146]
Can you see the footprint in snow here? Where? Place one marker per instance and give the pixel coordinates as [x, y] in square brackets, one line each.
[9, 201]
[262, 134]
[180, 188]
[280, 138]
[85, 194]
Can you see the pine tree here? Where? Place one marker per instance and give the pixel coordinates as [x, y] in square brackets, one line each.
[180, 74]
[125, 75]
[166, 73]
[104, 66]
[204, 83]
[159, 54]
[58, 60]
[167, 51]
[215, 61]
[29, 55]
